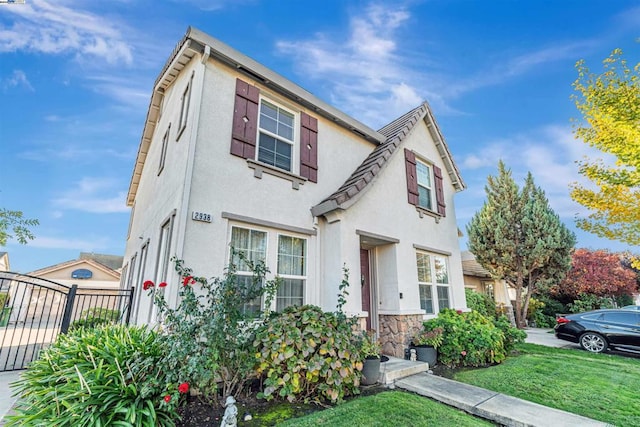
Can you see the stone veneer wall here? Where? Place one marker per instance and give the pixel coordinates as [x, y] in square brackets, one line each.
[396, 332]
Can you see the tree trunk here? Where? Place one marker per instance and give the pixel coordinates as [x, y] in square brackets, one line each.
[520, 319]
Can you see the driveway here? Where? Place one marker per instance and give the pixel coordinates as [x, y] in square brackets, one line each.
[546, 337]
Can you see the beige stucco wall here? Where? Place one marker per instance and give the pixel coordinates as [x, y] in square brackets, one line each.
[201, 175]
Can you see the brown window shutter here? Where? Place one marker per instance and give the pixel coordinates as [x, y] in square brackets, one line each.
[437, 174]
[412, 178]
[309, 147]
[245, 120]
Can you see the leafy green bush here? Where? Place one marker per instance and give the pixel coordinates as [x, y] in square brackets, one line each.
[4, 297]
[109, 375]
[470, 339]
[588, 302]
[481, 303]
[96, 316]
[305, 354]
[208, 337]
[512, 335]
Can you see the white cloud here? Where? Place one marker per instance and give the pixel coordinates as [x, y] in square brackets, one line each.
[375, 80]
[17, 79]
[42, 27]
[95, 195]
[549, 153]
[87, 245]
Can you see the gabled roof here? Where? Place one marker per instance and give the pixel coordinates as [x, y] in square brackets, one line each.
[75, 262]
[471, 267]
[196, 42]
[114, 262]
[396, 131]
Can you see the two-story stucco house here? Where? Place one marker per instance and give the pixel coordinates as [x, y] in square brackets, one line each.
[233, 154]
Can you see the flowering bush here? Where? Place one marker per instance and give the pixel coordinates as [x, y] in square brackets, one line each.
[208, 338]
[108, 375]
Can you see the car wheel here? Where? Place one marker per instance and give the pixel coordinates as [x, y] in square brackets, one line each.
[595, 343]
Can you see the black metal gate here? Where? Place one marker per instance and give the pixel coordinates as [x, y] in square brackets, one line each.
[33, 311]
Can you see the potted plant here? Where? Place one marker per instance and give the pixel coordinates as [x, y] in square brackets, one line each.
[370, 350]
[426, 343]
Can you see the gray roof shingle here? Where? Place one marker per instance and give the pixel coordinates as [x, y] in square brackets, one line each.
[360, 179]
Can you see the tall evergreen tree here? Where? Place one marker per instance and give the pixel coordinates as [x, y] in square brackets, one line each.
[517, 237]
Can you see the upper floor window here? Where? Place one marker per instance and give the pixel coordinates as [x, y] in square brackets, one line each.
[425, 188]
[276, 136]
[279, 141]
[163, 153]
[184, 108]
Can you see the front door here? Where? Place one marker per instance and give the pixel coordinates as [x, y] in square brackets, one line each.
[365, 281]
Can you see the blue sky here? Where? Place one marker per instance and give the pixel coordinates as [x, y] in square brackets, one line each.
[76, 76]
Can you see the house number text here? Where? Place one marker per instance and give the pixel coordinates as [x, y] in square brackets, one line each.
[201, 216]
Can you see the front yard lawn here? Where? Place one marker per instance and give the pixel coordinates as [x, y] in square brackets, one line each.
[599, 386]
[389, 408]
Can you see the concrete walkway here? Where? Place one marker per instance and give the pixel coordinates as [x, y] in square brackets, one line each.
[500, 408]
[6, 399]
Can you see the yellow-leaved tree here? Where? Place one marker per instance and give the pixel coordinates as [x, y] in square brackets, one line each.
[610, 106]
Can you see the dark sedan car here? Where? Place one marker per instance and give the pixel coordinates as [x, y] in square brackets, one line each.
[598, 330]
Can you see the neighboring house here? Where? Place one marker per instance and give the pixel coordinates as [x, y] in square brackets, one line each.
[86, 272]
[4, 261]
[98, 284]
[479, 279]
[233, 154]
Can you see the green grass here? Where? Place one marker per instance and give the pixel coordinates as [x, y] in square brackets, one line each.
[389, 408]
[599, 386]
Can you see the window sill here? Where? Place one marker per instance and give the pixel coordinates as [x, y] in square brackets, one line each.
[259, 168]
[422, 212]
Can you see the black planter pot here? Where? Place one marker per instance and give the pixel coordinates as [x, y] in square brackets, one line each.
[426, 353]
[370, 371]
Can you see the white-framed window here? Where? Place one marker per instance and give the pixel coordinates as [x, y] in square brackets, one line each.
[253, 245]
[276, 136]
[163, 153]
[425, 185]
[184, 108]
[162, 262]
[284, 255]
[433, 282]
[292, 268]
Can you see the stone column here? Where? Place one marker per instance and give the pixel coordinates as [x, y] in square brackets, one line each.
[396, 332]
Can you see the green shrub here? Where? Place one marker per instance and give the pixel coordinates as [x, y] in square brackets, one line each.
[588, 302]
[104, 376]
[470, 339]
[305, 354]
[481, 303]
[96, 316]
[512, 335]
[208, 337]
[4, 298]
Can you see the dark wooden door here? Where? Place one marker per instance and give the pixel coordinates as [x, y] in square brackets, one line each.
[365, 281]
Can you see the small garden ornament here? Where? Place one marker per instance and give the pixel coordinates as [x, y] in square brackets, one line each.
[230, 413]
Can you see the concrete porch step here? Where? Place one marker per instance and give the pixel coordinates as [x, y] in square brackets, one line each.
[395, 369]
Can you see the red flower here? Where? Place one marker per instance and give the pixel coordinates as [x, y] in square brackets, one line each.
[167, 398]
[162, 285]
[183, 388]
[189, 280]
[147, 285]
[459, 311]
